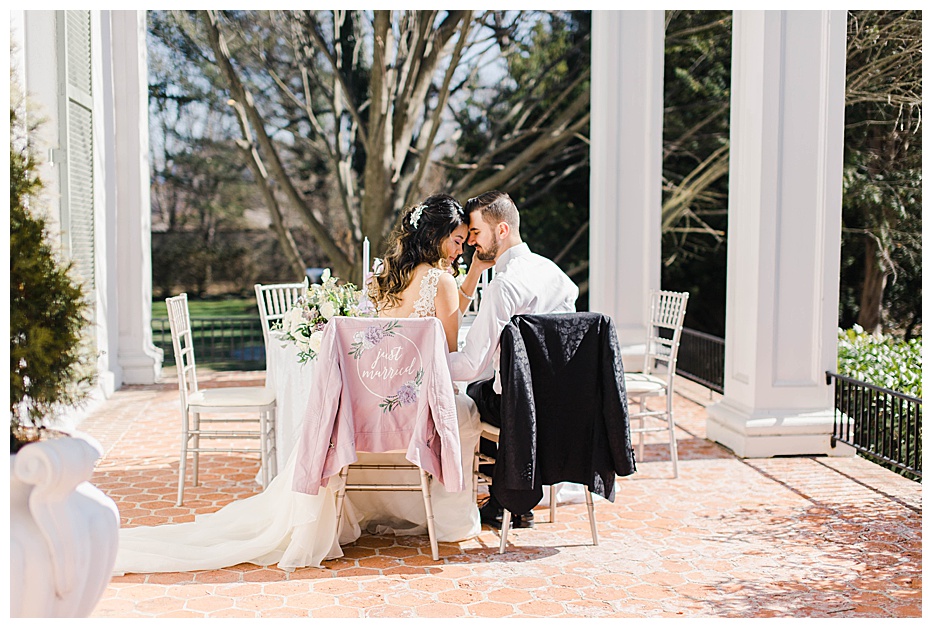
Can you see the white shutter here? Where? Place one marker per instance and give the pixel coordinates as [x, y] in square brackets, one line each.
[77, 175]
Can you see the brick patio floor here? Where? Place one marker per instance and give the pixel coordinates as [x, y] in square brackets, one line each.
[779, 537]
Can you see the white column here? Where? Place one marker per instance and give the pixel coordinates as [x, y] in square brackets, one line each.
[108, 371]
[625, 180]
[39, 78]
[784, 233]
[129, 207]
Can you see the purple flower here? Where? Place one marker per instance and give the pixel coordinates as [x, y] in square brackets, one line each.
[374, 335]
[407, 394]
[365, 306]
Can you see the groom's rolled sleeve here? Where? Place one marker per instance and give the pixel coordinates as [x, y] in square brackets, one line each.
[498, 306]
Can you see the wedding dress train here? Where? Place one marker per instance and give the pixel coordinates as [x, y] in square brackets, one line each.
[297, 530]
[293, 530]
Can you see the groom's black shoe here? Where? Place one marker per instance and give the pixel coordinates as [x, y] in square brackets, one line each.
[491, 515]
[523, 521]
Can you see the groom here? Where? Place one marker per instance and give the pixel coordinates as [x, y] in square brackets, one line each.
[524, 283]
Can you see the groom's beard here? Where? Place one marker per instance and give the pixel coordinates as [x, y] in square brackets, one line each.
[488, 254]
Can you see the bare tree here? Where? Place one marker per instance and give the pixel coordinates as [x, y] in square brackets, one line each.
[348, 117]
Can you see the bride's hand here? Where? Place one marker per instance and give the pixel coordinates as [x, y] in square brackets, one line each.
[480, 265]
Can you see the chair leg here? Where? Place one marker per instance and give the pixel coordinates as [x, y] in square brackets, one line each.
[273, 447]
[506, 525]
[341, 495]
[553, 503]
[263, 448]
[475, 474]
[429, 509]
[640, 420]
[590, 507]
[182, 462]
[197, 444]
[672, 428]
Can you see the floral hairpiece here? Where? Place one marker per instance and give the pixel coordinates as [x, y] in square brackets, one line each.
[416, 215]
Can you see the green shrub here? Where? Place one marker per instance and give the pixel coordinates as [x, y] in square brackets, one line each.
[881, 360]
[50, 362]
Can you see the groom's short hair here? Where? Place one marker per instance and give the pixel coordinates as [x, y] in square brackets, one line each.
[496, 207]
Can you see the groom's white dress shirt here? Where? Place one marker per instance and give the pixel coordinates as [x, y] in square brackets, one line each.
[524, 283]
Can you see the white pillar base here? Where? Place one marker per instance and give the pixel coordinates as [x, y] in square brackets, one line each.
[142, 368]
[632, 357]
[769, 434]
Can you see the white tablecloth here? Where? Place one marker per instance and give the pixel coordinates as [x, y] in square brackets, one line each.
[291, 382]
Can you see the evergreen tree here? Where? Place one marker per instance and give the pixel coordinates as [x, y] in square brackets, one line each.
[50, 364]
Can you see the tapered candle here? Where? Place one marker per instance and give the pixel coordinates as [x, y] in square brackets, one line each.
[365, 260]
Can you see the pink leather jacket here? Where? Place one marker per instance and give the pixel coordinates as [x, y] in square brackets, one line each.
[380, 384]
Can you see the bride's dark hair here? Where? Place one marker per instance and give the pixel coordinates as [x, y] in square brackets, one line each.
[417, 239]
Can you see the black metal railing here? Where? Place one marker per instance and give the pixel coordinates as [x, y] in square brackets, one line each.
[232, 343]
[881, 424]
[701, 358]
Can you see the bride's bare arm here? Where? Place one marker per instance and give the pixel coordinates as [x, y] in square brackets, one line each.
[467, 291]
[446, 304]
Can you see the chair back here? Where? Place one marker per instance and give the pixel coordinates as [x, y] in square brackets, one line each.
[667, 312]
[384, 362]
[563, 409]
[179, 320]
[274, 300]
[473, 308]
[388, 388]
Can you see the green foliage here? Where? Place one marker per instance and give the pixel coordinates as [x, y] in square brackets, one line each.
[184, 262]
[547, 59]
[697, 93]
[881, 360]
[50, 364]
[882, 202]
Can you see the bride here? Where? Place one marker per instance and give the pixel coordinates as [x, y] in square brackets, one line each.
[297, 530]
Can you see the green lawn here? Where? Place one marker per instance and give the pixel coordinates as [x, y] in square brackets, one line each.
[231, 341]
[224, 308]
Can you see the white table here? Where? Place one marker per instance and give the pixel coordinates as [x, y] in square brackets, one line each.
[291, 382]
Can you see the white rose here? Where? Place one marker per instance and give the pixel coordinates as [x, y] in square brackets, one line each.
[314, 341]
[291, 319]
[302, 342]
[327, 310]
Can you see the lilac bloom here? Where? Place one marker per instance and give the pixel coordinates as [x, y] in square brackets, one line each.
[374, 335]
[407, 394]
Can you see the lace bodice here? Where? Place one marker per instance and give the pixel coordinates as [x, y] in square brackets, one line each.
[424, 306]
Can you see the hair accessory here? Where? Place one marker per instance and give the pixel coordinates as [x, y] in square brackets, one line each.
[416, 215]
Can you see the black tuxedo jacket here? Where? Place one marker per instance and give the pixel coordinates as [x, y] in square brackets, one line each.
[564, 408]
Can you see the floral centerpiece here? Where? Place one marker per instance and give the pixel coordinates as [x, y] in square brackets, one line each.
[304, 323]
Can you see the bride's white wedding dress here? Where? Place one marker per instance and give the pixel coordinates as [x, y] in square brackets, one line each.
[296, 530]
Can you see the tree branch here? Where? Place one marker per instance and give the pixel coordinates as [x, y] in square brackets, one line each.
[241, 95]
